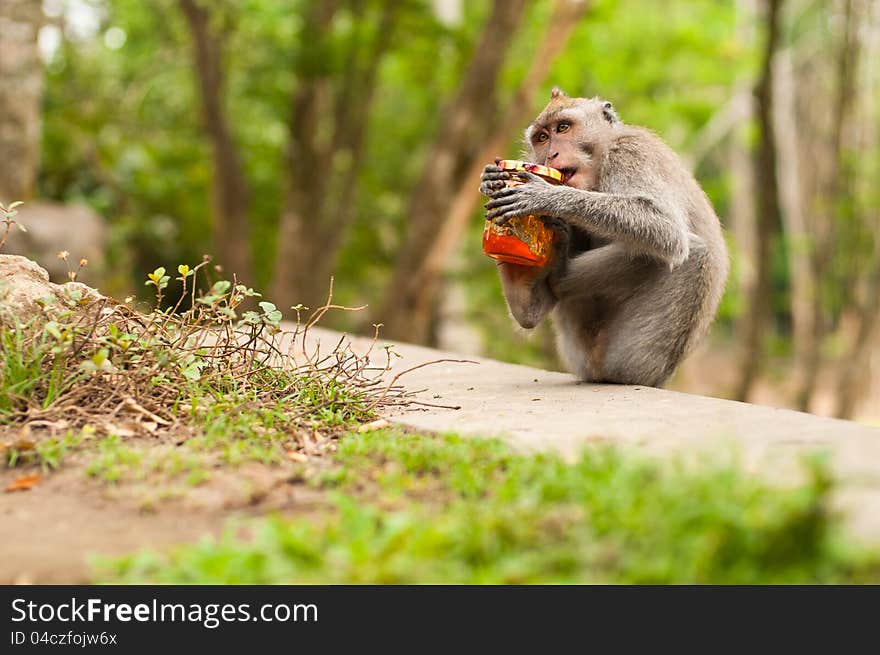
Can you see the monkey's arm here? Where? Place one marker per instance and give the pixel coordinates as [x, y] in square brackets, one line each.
[646, 217]
[639, 221]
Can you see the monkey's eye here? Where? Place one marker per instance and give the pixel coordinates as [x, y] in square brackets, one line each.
[542, 137]
[564, 126]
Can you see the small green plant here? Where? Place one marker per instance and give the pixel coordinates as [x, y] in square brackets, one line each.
[34, 365]
[232, 384]
[115, 460]
[448, 509]
[7, 218]
[64, 256]
[87, 358]
[46, 453]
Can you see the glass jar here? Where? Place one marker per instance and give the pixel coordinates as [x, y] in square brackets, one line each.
[523, 240]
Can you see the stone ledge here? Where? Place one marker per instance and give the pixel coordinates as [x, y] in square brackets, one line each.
[538, 410]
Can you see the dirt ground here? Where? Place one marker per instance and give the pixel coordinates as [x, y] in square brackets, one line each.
[51, 531]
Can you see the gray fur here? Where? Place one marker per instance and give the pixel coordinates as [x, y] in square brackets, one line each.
[628, 308]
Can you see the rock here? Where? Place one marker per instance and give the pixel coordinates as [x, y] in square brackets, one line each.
[53, 227]
[25, 287]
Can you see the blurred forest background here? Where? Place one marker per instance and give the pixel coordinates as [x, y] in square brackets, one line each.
[299, 139]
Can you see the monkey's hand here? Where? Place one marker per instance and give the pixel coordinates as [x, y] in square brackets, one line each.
[535, 196]
[493, 180]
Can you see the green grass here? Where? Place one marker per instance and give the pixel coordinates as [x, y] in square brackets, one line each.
[227, 408]
[240, 434]
[46, 453]
[114, 461]
[82, 359]
[227, 433]
[30, 368]
[434, 509]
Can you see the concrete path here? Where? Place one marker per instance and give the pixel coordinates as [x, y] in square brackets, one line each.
[535, 409]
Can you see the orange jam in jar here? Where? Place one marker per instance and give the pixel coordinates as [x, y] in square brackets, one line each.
[523, 240]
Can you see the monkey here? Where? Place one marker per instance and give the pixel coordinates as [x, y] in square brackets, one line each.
[639, 262]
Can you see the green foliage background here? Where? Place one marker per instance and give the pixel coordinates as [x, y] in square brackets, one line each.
[122, 126]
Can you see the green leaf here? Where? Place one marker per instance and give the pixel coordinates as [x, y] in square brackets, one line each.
[192, 372]
[247, 291]
[100, 357]
[52, 328]
[251, 318]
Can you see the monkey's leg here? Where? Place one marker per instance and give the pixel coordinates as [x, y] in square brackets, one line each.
[653, 329]
[591, 291]
[527, 292]
[630, 319]
[610, 270]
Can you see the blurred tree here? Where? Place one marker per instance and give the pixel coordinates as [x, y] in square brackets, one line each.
[445, 199]
[329, 113]
[792, 199]
[465, 121]
[855, 366]
[229, 188]
[21, 72]
[741, 170]
[833, 193]
[767, 214]
[338, 112]
[862, 169]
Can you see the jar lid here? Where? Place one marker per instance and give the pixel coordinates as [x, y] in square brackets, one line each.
[537, 169]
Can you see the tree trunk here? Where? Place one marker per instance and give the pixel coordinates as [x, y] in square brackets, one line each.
[447, 192]
[767, 215]
[742, 169]
[425, 281]
[797, 234]
[742, 206]
[325, 151]
[855, 367]
[836, 187]
[21, 86]
[853, 370]
[229, 189]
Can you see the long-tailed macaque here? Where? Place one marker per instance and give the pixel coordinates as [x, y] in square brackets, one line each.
[639, 263]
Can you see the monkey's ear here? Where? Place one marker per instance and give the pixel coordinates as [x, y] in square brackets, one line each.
[556, 92]
[609, 113]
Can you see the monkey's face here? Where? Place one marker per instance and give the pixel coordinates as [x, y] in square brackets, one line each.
[570, 135]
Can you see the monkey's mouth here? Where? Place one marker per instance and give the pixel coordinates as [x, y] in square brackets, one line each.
[568, 173]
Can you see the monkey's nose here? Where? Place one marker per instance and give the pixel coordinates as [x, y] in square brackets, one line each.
[552, 157]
